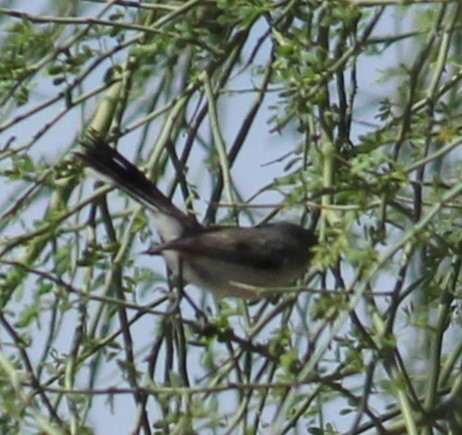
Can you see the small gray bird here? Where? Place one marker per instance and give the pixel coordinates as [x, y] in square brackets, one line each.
[225, 260]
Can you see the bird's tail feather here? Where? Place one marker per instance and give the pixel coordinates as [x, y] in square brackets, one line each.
[116, 170]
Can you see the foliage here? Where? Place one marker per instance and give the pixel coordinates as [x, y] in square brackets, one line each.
[365, 95]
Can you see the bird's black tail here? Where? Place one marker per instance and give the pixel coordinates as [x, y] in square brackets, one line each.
[116, 170]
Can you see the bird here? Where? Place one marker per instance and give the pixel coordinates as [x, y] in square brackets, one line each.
[228, 261]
